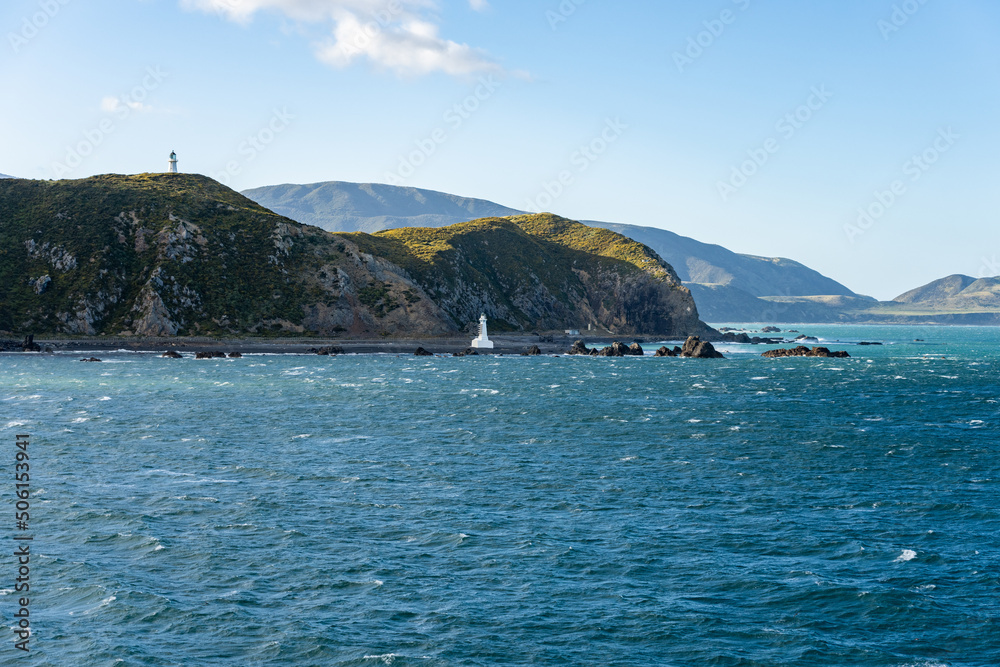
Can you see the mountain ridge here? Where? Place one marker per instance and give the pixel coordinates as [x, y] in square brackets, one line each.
[372, 207]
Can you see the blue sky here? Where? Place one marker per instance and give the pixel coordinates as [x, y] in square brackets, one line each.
[859, 137]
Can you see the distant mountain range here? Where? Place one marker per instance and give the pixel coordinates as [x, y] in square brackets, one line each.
[727, 286]
[955, 293]
[372, 207]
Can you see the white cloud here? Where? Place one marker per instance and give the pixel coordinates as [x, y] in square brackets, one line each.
[112, 104]
[391, 34]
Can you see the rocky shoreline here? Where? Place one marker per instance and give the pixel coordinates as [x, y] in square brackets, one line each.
[509, 345]
[504, 344]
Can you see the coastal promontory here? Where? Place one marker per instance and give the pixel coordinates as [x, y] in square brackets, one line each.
[181, 255]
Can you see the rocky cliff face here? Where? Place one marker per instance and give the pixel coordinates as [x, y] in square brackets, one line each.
[168, 254]
[542, 272]
[180, 254]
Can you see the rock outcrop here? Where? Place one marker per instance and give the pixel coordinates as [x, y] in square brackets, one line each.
[533, 351]
[667, 352]
[803, 351]
[695, 348]
[421, 352]
[170, 354]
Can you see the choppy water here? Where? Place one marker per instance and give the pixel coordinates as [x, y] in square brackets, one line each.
[370, 511]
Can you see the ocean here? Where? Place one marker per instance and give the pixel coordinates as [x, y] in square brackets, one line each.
[393, 510]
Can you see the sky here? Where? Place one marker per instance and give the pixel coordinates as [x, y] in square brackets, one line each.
[859, 137]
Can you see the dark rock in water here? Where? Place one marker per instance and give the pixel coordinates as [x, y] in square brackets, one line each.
[330, 351]
[864, 342]
[29, 344]
[616, 349]
[579, 347]
[533, 351]
[92, 359]
[756, 340]
[170, 354]
[210, 355]
[770, 330]
[665, 352]
[421, 352]
[730, 337]
[467, 352]
[636, 350]
[695, 348]
[811, 339]
[235, 355]
[595, 352]
[803, 351]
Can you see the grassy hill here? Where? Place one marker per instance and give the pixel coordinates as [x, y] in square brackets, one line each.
[164, 254]
[180, 254]
[541, 272]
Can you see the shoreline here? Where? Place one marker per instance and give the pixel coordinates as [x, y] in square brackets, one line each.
[511, 344]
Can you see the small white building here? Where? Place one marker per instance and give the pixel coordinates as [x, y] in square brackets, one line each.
[172, 163]
[482, 342]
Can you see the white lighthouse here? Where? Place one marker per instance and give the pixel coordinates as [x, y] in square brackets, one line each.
[172, 168]
[482, 342]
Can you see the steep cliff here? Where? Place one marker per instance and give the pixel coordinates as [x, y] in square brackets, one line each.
[180, 254]
[536, 272]
[171, 254]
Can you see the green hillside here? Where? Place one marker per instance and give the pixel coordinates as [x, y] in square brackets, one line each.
[166, 254]
[180, 254]
[540, 272]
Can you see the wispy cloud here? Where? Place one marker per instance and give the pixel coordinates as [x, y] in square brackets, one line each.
[396, 35]
[113, 104]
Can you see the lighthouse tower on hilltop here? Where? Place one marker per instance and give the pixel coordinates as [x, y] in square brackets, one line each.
[172, 168]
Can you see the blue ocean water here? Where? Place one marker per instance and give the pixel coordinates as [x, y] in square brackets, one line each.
[383, 510]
